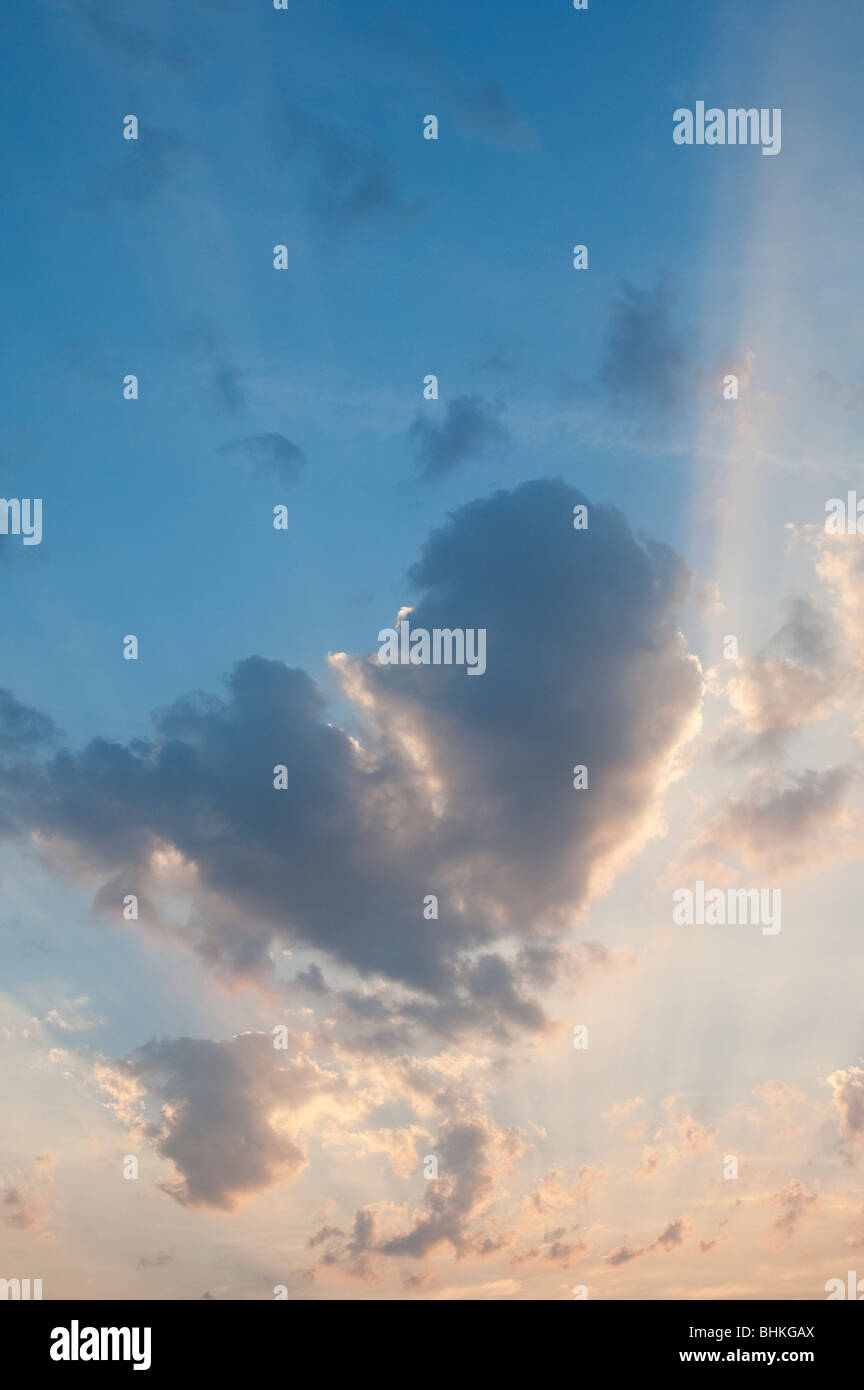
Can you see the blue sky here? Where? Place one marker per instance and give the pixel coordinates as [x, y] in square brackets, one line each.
[156, 258]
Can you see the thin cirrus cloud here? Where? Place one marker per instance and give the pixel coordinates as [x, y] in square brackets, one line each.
[470, 427]
[645, 362]
[487, 111]
[124, 38]
[344, 179]
[22, 729]
[267, 455]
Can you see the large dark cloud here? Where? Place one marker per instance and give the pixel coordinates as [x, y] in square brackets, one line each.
[462, 786]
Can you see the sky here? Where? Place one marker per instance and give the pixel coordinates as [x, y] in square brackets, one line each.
[319, 977]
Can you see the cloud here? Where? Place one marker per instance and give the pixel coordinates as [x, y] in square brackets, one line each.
[680, 1136]
[147, 168]
[399, 1145]
[498, 363]
[645, 361]
[840, 565]
[22, 728]
[353, 1250]
[157, 1261]
[848, 1099]
[472, 1153]
[346, 181]
[795, 1203]
[625, 1253]
[560, 1189]
[784, 1103]
[205, 344]
[125, 39]
[73, 1019]
[470, 426]
[670, 1238]
[650, 1163]
[459, 786]
[28, 1201]
[787, 825]
[226, 1111]
[621, 1108]
[267, 455]
[419, 1281]
[228, 387]
[552, 1250]
[487, 111]
[483, 109]
[797, 679]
